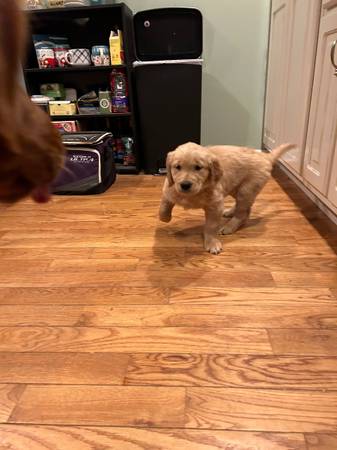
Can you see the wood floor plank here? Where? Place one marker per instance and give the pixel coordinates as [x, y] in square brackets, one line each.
[305, 279]
[9, 396]
[77, 242]
[143, 253]
[13, 267]
[289, 372]
[63, 368]
[297, 227]
[135, 241]
[261, 410]
[59, 216]
[101, 405]
[311, 242]
[44, 253]
[134, 339]
[243, 263]
[263, 296]
[304, 342]
[136, 278]
[248, 315]
[54, 225]
[119, 295]
[99, 265]
[321, 441]
[177, 254]
[36, 437]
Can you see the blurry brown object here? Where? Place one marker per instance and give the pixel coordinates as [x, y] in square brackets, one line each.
[31, 151]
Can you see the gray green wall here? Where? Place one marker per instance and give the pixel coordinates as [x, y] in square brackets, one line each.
[235, 53]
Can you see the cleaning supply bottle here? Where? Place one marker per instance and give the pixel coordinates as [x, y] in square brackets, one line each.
[119, 92]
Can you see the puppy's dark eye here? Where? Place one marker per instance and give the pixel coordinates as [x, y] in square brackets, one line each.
[178, 167]
[197, 167]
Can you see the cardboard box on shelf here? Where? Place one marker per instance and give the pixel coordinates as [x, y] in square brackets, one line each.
[68, 126]
[55, 3]
[62, 108]
[116, 47]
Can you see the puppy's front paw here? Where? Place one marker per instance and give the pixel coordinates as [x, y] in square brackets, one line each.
[165, 217]
[213, 246]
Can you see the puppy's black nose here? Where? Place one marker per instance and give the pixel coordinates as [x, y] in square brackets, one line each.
[185, 185]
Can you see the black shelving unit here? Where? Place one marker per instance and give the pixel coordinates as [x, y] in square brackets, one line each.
[85, 27]
[74, 69]
[90, 116]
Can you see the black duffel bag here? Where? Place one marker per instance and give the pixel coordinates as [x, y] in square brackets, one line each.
[89, 165]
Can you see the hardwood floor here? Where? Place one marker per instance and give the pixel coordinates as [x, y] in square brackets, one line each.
[119, 332]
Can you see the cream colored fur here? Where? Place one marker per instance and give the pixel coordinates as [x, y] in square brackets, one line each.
[214, 173]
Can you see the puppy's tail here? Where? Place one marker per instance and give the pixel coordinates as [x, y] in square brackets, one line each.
[275, 154]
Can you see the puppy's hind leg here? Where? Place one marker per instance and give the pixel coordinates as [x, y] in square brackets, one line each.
[244, 201]
[165, 210]
[229, 212]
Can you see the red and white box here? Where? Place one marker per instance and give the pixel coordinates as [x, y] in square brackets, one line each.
[67, 126]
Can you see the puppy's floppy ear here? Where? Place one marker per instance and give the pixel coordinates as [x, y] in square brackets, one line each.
[168, 169]
[215, 169]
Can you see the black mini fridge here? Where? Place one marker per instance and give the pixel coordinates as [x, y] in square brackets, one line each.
[168, 82]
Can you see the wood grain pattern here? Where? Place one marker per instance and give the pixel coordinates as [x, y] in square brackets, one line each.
[119, 295]
[62, 240]
[262, 296]
[101, 405]
[13, 267]
[9, 396]
[248, 315]
[268, 410]
[321, 441]
[135, 278]
[311, 242]
[133, 339]
[100, 265]
[242, 262]
[304, 342]
[150, 255]
[43, 253]
[233, 371]
[63, 368]
[93, 438]
[142, 253]
[119, 332]
[314, 279]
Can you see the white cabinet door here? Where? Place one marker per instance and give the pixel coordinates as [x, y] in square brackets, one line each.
[303, 23]
[277, 68]
[321, 140]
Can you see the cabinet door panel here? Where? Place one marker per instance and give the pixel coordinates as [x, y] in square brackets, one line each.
[276, 73]
[332, 192]
[320, 146]
[304, 18]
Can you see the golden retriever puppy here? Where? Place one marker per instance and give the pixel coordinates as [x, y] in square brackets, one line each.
[202, 177]
[31, 151]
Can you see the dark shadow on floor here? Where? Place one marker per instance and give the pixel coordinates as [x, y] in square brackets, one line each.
[322, 224]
